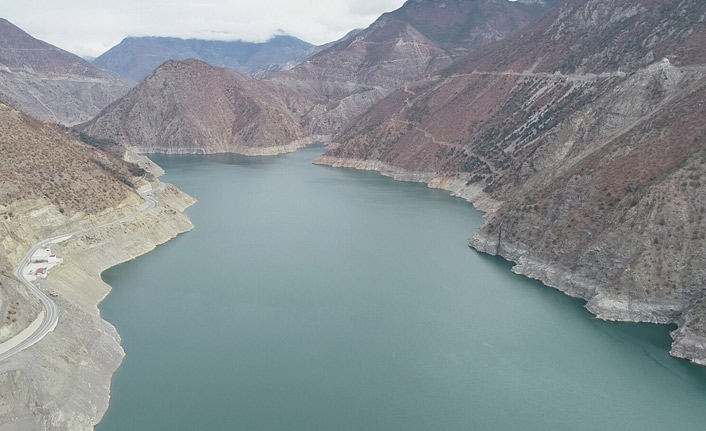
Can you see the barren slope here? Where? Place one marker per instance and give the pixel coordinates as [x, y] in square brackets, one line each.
[51, 183]
[43, 161]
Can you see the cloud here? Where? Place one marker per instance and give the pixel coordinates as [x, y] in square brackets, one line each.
[90, 27]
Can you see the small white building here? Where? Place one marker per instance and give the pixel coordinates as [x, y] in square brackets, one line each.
[41, 255]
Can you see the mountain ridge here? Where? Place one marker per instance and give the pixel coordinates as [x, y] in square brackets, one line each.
[52, 84]
[136, 57]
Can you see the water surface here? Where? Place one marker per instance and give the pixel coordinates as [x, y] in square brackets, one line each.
[312, 298]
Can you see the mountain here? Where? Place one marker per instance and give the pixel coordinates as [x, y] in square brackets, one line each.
[191, 107]
[50, 83]
[419, 39]
[583, 138]
[135, 57]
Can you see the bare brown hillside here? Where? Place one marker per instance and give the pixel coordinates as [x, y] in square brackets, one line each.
[49, 178]
[191, 107]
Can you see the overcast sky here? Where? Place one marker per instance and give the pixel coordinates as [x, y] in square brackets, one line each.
[90, 27]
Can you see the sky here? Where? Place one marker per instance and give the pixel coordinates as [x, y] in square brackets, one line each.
[91, 27]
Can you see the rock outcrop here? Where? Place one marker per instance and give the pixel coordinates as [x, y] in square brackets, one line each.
[51, 84]
[588, 128]
[191, 107]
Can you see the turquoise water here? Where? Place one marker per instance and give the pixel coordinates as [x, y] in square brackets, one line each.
[313, 298]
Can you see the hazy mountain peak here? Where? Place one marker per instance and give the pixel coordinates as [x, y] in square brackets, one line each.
[136, 57]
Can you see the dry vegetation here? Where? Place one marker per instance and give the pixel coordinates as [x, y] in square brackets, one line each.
[46, 161]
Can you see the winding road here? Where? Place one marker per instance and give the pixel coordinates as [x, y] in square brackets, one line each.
[51, 310]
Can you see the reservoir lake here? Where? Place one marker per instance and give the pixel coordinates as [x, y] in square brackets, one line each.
[314, 298]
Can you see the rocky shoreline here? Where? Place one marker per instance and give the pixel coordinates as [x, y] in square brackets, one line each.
[242, 150]
[63, 382]
[459, 185]
[690, 335]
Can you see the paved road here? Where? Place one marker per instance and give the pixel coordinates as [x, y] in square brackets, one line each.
[51, 310]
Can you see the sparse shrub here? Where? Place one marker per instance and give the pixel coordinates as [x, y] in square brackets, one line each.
[103, 144]
[137, 171]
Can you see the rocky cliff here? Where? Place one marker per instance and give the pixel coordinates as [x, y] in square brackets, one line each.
[191, 107]
[136, 57]
[52, 84]
[417, 40]
[583, 137]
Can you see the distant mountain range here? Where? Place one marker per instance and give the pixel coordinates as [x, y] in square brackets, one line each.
[327, 90]
[50, 83]
[135, 57]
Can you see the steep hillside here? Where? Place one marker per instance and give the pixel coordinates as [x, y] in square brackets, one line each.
[42, 161]
[460, 25]
[583, 136]
[52, 183]
[48, 166]
[191, 107]
[417, 40]
[135, 57]
[52, 84]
